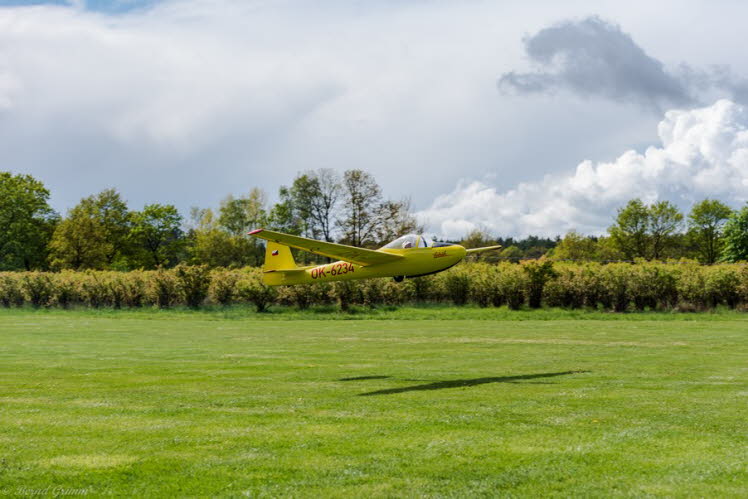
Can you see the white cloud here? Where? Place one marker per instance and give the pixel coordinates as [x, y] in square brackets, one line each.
[704, 153]
[189, 100]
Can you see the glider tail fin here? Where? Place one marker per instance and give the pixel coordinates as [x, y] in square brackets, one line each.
[278, 257]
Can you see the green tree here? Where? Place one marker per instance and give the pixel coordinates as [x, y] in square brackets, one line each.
[212, 245]
[80, 240]
[26, 222]
[736, 237]
[114, 217]
[95, 233]
[629, 233]
[705, 224]
[158, 235]
[664, 223]
[512, 254]
[478, 238]
[362, 198]
[308, 206]
[575, 246]
[607, 250]
[239, 215]
[319, 196]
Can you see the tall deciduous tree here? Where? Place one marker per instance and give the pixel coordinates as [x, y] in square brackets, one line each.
[362, 197]
[308, 206]
[705, 225]
[80, 240]
[95, 233]
[157, 232]
[26, 222]
[395, 219]
[212, 245]
[239, 215]
[323, 199]
[629, 233]
[736, 237]
[664, 222]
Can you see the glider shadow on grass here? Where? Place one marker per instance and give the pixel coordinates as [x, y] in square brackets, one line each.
[456, 383]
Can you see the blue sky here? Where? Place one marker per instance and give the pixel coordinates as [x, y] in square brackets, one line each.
[513, 117]
[108, 6]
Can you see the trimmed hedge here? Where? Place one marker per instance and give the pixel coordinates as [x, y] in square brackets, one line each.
[616, 287]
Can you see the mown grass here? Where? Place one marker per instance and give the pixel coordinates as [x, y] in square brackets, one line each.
[190, 403]
[425, 311]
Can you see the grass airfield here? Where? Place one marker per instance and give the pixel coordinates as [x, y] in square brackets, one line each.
[150, 403]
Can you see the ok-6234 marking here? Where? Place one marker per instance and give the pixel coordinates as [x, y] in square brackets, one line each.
[338, 268]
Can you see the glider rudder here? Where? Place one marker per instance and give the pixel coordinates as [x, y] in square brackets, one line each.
[278, 257]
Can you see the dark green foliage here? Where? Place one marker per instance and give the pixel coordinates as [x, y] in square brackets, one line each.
[538, 273]
[736, 237]
[37, 288]
[705, 225]
[10, 290]
[512, 285]
[26, 222]
[157, 233]
[457, 285]
[346, 293]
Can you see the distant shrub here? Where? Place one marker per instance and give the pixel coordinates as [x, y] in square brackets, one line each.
[162, 288]
[372, 291]
[251, 288]
[615, 289]
[37, 288]
[346, 293]
[66, 291]
[423, 289]
[483, 284]
[512, 285]
[193, 282]
[10, 290]
[618, 287]
[723, 286]
[538, 274]
[457, 286]
[222, 289]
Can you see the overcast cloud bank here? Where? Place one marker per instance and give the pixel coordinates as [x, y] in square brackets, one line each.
[593, 57]
[704, 153]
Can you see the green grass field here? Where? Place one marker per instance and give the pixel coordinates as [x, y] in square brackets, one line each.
[234, 404]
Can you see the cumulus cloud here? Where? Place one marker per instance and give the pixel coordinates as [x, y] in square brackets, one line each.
[593, 57]
[704, 153]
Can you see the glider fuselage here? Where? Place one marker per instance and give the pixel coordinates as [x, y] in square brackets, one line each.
[415, 262]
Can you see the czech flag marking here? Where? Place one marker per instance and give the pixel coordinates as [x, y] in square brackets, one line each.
[274, 253]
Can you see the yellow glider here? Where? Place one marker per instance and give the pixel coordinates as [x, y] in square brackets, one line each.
[408, 256]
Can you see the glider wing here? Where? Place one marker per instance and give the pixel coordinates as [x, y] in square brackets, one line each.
[478, 250]
[343, 252]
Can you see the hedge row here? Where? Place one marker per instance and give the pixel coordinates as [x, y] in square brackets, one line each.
[616, 287]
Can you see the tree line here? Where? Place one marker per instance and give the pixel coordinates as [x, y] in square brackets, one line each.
[102, 232]
[711, 232]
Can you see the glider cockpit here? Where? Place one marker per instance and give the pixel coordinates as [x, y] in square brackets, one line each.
[414, 241]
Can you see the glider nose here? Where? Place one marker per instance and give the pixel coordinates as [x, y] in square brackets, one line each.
[461, 251]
